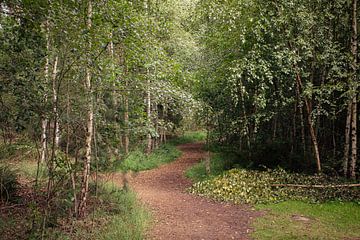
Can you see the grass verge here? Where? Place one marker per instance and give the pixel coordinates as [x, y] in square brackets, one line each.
[189, 137]
[218, 164]
[299, 220]
[126, 218]
[139, 161]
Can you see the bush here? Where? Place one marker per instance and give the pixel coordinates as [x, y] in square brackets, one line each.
[8, 184]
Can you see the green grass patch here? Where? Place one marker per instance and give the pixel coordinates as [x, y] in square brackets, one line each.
[29, 169]
[189, 137]
[218, 163]
[118, 215]
[139, 161]
[18, 151]
[327, 221]
[128, 219]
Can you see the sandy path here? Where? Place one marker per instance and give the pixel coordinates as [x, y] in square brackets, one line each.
[180, 215]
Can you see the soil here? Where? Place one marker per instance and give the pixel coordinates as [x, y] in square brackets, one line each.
[181, 215]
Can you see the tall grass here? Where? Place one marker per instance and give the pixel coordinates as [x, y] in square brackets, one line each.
[126, 218]
[189, 137]
[139, 161]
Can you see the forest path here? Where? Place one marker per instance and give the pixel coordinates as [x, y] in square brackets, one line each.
[180, 215]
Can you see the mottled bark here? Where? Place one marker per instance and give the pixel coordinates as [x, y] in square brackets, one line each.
[89, 129]
[354, 83]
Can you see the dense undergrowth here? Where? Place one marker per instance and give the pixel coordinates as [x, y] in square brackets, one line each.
[240, 185]
[137, 160]
[114, 213]
[118, 215]
[288, 213]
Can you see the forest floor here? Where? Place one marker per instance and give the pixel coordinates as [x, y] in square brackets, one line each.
[180, 215]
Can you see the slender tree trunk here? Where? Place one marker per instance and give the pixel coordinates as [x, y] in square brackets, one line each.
[311, 127]
[126, 118]
[353, 139]
[55, 104]
[354, 83]
[243, 109]
[148, 113]
[347, 140]
[89, 128]
[301, 113]
[165, 127]
[156, 120]
[44, 120]
[293, 135]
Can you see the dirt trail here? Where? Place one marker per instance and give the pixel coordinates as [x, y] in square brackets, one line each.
[180, 215]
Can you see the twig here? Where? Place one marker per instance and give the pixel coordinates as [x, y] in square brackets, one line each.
[12, 206]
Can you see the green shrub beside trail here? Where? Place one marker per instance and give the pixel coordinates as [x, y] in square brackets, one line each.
[250, 186]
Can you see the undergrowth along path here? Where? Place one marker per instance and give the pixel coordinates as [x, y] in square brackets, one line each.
[180, 215]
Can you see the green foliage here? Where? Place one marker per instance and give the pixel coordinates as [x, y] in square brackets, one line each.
[8, 184]
[189, 137]
[18, 151]
[129, 219]
[327, 221]
[138, 160]
[218, 163]
[119, 216]
[250, 186]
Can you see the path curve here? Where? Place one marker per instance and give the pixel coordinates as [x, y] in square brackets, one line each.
[183, 216]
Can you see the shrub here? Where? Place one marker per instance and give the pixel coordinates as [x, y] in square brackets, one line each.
[250, 186]
[8, 183]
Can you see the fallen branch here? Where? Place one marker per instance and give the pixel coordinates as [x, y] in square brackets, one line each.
[316, 186]
[11, 206]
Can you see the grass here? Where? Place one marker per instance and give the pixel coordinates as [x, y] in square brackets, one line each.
[331, 220]
[189, 137]
[139, 161]
[219, 162]
[128, 219]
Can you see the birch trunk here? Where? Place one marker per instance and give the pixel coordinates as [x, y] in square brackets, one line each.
[89, 129]
[347, 140]
[55, 104]
[126, 118]
[148, 114]
[44, 121]
[300, 107]
[354, 83]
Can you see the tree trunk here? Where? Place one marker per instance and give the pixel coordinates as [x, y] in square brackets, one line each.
[148, 114]
[354, 44]
[347, 140]
[353, 139]
[301, 113]
[44, 120]
[126, 118]
[89, 129]
[156, 120]
[311, 127]
[55, 104]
